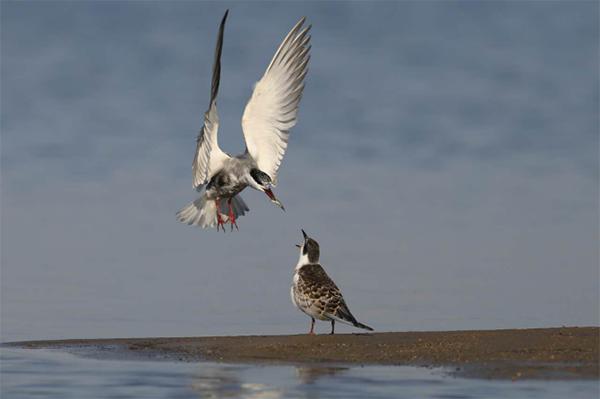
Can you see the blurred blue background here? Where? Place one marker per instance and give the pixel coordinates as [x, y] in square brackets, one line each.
[446, 158]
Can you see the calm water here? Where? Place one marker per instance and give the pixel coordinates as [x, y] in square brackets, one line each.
[30, 374]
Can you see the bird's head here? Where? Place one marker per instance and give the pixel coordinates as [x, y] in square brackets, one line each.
[309, 249]
[261, 181]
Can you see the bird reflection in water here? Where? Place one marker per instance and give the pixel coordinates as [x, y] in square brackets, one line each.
[310, 374]
[232, 381]
[225, 382]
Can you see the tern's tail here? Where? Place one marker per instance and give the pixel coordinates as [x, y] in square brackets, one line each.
[343, 314]
[203, 212]
[363, 326]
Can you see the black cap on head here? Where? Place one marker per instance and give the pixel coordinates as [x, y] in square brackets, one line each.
[260, 177]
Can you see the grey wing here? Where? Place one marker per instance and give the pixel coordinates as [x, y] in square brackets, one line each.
[336, 308]
[339, 311]
[209, 158]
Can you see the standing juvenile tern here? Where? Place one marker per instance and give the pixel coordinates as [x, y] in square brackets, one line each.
[268, 117]
[315, 293]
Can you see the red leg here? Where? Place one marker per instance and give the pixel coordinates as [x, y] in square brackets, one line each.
[312, 326]
[231, 215]
[219, 218]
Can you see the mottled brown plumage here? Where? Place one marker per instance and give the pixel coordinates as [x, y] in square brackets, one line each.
[319, 292]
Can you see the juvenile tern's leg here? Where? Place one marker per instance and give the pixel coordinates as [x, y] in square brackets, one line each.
[219, 218]
[332, 327]
[231, 215]
[312, 326]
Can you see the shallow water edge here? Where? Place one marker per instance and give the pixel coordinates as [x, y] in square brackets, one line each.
[547, 353]
[52, 373]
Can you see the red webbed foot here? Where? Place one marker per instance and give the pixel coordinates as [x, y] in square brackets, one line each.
[232, 216]
[220, 222]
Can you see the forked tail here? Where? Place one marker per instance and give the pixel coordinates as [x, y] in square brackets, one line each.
[203, 211]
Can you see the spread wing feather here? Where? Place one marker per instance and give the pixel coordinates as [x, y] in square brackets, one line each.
[273, 107]
[209, 158]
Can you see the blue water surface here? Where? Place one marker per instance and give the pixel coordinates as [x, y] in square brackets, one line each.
[29, 374]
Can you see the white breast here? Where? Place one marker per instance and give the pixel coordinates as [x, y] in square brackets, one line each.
[292, 293]
[302, 302]
[293, 296]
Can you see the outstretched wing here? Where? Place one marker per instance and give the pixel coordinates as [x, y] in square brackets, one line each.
[209, 158]
[272, 109]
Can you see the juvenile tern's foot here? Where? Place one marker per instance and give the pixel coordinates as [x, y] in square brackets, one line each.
[312, 327]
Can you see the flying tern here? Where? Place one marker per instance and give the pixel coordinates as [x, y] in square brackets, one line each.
[266, 122]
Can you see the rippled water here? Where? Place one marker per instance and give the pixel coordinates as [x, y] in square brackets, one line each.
[30, 374]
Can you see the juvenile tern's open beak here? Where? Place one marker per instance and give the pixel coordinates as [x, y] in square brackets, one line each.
[273, 199]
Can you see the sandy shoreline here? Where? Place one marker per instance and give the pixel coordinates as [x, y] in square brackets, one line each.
[546, 353]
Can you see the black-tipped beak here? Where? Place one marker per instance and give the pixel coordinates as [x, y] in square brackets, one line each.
[274, 199]
[304, 234]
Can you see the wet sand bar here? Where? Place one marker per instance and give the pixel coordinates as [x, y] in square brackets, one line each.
[549, 353]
